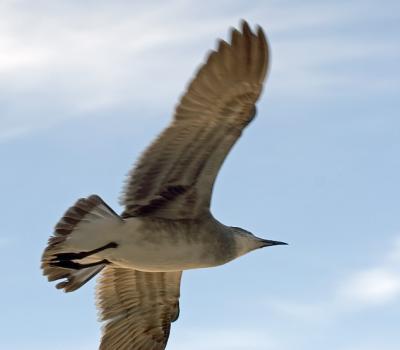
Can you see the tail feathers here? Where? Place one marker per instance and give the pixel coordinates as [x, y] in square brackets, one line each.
[59, 263]
[76, 278]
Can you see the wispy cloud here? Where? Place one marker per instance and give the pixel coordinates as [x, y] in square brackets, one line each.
[70, 60]
[58, 65]
[374, 286]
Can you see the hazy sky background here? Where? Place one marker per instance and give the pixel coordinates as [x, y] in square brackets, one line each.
[86, 85]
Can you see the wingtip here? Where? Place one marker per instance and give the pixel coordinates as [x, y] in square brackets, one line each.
[260, 33]
[245, 30]
[263, 42]
[244, 25]
[234, 37]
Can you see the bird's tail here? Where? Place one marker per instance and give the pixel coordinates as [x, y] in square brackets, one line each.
[62, 260]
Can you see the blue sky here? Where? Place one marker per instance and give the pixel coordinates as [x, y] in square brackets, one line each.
[85, 86]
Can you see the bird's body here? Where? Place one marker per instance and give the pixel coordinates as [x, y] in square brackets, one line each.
[166, 226]
[158, 245]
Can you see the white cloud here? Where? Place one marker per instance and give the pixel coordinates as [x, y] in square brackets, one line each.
[372, 287]
[375, 286]
[288, 16]
[300, 70]
[62, 63]
[66, 61]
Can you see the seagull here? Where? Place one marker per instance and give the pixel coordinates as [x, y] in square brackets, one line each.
[166, 226]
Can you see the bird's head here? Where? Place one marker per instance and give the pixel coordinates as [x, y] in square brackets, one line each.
[246, 241]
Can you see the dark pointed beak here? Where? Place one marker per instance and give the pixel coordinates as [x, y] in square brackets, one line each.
[269, 243]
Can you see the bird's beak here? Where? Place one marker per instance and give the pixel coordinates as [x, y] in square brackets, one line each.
[269, 243]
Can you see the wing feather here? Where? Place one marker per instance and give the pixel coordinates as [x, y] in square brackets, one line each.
[218, 104]
[137, 308]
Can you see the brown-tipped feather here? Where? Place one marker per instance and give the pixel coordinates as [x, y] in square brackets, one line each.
[137, 307]
[264, 53]
[217, 106]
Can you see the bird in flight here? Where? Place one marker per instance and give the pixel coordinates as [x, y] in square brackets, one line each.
[166, 226]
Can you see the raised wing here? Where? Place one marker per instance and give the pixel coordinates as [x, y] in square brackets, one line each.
[138, 308]
[175, 175]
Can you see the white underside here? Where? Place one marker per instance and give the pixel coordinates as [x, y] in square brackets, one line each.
[137, 247]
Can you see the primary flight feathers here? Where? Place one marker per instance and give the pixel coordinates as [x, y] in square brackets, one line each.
[175, 175]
